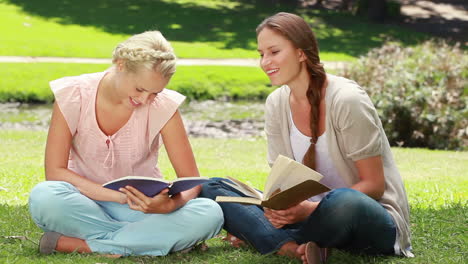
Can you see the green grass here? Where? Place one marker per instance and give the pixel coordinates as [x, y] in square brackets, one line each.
[29, 82]
[436, 183]
[197, 29]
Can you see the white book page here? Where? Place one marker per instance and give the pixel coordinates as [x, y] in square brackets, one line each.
[243, 200]
[287, 173]
[244, 188]
[277, 169]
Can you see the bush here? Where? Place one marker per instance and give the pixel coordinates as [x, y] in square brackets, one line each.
[419, 92]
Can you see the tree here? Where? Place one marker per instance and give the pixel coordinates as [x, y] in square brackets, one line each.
[285, 2]
[376, 10]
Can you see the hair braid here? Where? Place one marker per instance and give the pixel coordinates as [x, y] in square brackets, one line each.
[149, 50]
[295, 29]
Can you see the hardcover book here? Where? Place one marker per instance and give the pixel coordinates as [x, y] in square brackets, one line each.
[151, 186]
[288, 184]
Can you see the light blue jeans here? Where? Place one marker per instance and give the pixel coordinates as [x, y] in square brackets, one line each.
[114, 228]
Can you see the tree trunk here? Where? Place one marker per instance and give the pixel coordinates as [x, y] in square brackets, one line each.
[377, 10]
[285, 2]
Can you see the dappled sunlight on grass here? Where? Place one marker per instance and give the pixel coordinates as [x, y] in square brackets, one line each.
[211, 29]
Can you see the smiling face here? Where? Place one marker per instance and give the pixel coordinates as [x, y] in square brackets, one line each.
[134, 89]
[280, 60]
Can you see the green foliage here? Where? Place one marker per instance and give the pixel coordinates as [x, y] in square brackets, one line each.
[420, 93]
[436, 183]
[28, 82]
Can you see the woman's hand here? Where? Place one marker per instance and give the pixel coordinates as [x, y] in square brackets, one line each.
[159, 204]
[294, 214]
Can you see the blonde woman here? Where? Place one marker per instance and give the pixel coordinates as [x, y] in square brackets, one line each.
[329, 124]
[111, 124]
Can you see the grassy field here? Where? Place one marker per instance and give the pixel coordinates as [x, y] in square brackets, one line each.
[436, 183]
[197, 29]
[29, 82]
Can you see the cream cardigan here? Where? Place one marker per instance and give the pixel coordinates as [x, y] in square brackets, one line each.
[354, 132]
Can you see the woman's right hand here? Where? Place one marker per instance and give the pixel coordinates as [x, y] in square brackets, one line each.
[294, 214]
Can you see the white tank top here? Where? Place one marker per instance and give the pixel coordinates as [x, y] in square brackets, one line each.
[324, 165]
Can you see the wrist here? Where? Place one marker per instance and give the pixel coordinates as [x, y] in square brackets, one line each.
[310, 207]
[121, 198]
[178, 200]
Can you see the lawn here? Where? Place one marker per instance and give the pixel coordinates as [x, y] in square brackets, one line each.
[197, 29]
[436, 183]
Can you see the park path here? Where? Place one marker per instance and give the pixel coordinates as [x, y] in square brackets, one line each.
[188, 62]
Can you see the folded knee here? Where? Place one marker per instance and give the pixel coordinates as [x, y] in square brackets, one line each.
[212, 188]
[348, 203]
[48, 190]
[210, 214]
[45, 196]
[213, 211]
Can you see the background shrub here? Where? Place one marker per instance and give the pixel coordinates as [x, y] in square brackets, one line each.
[420, 92]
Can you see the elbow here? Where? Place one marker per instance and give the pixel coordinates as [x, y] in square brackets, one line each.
[378, 195]
[52, 174]
[379, 190]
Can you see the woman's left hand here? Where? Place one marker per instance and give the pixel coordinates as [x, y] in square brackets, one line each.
[294, 214]
[162, 203]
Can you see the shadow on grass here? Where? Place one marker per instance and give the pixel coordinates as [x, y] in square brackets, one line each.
[437, 234]
[234, 27]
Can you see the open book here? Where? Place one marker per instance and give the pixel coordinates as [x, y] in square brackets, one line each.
[151, 186]
[288, 184]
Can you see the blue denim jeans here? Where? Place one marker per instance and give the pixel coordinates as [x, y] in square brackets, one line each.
[345, 219]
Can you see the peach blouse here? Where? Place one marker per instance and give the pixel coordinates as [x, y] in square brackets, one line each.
[132, 150]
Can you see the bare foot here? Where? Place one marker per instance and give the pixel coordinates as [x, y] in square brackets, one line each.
[311, 253]
[301, 252]
[235, 242]
[289, 249]
[72, 244]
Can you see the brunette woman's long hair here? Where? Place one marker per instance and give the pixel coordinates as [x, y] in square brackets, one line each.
[295, 29]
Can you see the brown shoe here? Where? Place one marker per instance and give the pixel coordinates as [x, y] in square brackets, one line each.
[48, 242]
[316, 255]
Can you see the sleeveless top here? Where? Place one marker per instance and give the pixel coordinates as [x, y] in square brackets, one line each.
[132, 150]
[324, 165]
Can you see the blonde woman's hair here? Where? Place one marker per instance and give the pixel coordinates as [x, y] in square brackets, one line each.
[149, 50]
